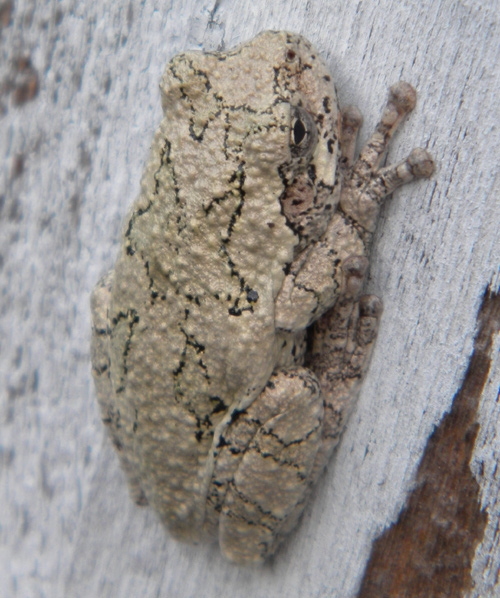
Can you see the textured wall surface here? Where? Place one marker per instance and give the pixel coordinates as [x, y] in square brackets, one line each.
[79, 103]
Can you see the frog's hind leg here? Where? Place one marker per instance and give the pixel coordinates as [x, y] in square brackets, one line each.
[113, 415]
[341, 347]
[273, 476]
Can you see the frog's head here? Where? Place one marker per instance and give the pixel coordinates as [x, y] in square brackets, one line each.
[267, 111]
[310, 176]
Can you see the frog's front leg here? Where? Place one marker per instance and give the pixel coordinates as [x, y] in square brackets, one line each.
[323, 272]
[365, 185]
[263, 465]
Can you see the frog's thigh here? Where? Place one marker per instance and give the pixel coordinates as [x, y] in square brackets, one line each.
[273, 475]
[114, 415]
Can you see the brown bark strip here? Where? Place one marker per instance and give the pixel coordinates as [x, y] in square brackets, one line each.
[428, 551]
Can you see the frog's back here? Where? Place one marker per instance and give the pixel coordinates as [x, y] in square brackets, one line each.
[178, 364]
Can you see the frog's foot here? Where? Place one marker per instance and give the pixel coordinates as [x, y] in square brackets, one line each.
[365, 185]
[402, 100]
[342, 344]
[267, 491]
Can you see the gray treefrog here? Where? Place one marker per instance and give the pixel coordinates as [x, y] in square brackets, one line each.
[230, 340]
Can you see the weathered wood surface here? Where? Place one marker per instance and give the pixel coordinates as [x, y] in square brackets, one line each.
[79, 103]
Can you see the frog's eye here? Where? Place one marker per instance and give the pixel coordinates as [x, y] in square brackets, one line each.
[303, 132]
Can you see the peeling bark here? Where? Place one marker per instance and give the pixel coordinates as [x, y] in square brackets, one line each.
[429, 550]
